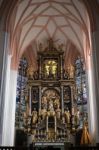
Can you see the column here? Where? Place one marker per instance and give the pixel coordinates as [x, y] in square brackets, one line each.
[40, 98]
[47, 126]
[9, 110]
[92, 102]
[55, 126]
[30, 101]
[3, 74]
[27, 106]
[62, 100]
[72, 106]
[72, 97]
[61, 66]
[40, 67]
[95, 54]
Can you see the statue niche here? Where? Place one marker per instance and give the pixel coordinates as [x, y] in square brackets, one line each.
[50, 68]
[50, 100]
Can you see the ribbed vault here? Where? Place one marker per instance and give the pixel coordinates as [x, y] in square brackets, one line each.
[33, 22]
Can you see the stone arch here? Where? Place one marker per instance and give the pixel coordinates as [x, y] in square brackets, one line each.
[5, 27]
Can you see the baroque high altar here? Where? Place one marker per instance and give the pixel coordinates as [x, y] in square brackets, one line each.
[50, 116]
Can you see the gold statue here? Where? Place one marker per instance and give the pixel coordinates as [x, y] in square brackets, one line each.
[58, 112]
[51, 111]
[46, 70]
[70, 70]
[51, 107]
[77, 117]
[63, 119]
[44, 101]
[85, 139]
[43, 113]
[50, 68]
[54, 69]
[67, 116]
[30, 71]
[34, 116]
[56, 102]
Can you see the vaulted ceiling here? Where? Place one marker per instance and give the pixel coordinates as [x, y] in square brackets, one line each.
[35, 21]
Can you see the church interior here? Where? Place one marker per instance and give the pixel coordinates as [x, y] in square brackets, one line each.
[49, 75]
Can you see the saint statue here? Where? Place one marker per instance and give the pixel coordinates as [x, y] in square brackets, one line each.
[51, 107]
[67, 116]
[43, 113]
[30, 71]
[71, 70]
[34, 116]
[46, 70]
[50, 68]
[51, 111]
[24, 118]
[57, 102]
[63, 119]
[44, 101]
[58, 112]
[77, 117]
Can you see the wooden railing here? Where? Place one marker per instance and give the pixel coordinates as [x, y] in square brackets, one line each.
[66, 148]
[83, 148]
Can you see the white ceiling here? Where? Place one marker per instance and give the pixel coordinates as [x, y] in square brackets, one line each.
[35, 21]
